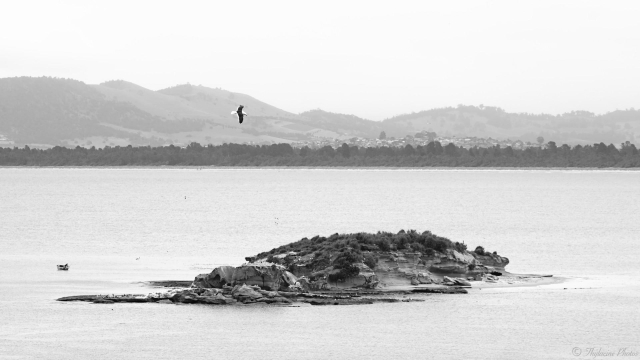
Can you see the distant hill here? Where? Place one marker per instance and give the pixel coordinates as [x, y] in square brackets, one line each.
[186, 101]
[49, 111]
[53, 111]
[577, 127]
[344, 124]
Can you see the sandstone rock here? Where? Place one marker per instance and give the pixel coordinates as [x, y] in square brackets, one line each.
[289, 278]
[366, 278]
[79, 298]
[282, 299]
[102, 301]
[492, 260]
[448, 281]
[465, 257]
[185, 297]
[201, 281]
[462, 282]
[451, 261]
[160, 296]
[287, 294]
[219, 277]
[440, 290]
[213, 300]
[320, 284]
[399, 268]
[265, 275]
[426, 278]
[490, 278]
[275, 300]
[245, 293]
[449, 268]
[231, 301]
[393, 268]
[212, 292]
[264, 293]
[303, 282]
[133, 298]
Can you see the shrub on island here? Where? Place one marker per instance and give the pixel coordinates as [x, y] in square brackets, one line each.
[342, 251]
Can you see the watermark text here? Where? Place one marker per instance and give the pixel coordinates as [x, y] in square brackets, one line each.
[598, 352]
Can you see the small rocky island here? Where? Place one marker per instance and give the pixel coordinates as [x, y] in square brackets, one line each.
[342, 269]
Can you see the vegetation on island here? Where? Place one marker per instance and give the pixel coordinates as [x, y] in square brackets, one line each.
[433, 154]
[344, 251]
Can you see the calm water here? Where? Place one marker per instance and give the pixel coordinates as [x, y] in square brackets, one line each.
[581, 225]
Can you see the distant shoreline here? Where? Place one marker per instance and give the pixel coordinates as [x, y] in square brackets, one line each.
[433, 155]
[213, 167]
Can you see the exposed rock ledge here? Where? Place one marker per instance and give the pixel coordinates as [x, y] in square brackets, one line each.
[339, 270]
[245, 294]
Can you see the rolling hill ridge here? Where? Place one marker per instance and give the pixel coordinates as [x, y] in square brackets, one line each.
[52, 111]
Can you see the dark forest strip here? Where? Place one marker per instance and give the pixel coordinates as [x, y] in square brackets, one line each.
[431, 155]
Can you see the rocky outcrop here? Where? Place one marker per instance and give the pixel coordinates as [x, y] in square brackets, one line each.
[336, 273]
[451, 262]
[406, 268]
[392, 269]
[243, 295]
[366, 278]
[265, 275]
[455, 281]
[219, 277]
[491, 260]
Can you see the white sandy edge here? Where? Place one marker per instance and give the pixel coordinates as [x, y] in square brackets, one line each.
[513, 280]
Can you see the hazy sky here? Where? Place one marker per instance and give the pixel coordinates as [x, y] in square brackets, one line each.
[360, 58]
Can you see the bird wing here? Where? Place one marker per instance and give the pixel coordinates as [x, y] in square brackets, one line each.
[234, 113]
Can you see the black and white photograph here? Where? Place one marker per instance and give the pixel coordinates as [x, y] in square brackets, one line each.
[319, 180]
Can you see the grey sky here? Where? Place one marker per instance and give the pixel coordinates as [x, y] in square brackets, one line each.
[370, 59]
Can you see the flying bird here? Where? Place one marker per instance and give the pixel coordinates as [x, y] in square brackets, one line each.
[240, 113]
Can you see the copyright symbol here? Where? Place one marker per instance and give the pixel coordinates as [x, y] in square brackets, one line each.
[576, 351]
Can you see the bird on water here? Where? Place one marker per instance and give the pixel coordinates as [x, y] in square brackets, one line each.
[239, 113]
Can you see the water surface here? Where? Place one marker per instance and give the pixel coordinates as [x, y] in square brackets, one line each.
[582, 225]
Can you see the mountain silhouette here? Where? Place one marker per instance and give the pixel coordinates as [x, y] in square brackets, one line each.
[56, 111]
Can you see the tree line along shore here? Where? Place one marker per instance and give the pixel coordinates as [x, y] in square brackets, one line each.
[434, 154]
